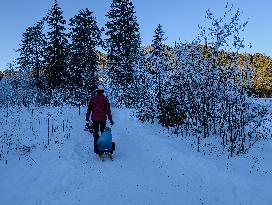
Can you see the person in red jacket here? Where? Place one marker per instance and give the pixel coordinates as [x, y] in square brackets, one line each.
[99, 107]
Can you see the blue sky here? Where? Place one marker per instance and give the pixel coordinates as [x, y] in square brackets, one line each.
[179, 19]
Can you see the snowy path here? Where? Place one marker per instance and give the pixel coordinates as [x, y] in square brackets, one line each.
[148, 168]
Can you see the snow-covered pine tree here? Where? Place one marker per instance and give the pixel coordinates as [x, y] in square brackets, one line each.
[145, 110]
[31, 51]
[25, 51]
[85, 38]
[141, 74]
[56, 68]
[161, 71]
[123, 40]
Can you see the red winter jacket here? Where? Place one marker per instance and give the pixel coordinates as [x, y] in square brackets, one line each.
[99, 106]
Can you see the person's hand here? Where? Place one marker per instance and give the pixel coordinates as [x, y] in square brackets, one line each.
[87, 126]
[87, 123]
[111, 122]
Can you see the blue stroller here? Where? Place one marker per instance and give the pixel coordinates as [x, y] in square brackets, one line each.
[105, 144]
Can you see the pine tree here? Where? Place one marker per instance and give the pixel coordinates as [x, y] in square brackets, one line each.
[122, 44]
[56, 52]
[140, 73]
[160, 67]
[31, 60]
[143, 92]
[85, 36]
[25, 51]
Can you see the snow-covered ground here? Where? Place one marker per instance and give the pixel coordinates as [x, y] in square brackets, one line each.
[150, 167]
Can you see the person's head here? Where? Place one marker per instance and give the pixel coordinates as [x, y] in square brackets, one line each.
[100, 89]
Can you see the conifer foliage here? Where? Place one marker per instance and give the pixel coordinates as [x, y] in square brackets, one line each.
[123, 40]
[156, 77]
[31, 52]
[85, 38]
[56, 68]
[144, 95]
[161, 70]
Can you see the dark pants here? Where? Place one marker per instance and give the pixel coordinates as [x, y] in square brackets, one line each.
[97, 126]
